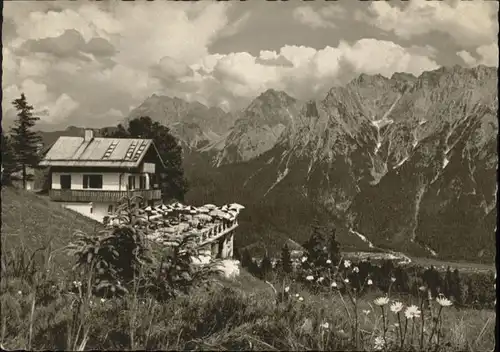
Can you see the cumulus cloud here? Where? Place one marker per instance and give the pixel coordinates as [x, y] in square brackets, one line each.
[484, 55]
[467, 22]
[318, 19]
[70, 44]
[90, 63]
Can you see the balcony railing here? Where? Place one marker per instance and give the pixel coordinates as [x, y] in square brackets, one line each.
[72, 195]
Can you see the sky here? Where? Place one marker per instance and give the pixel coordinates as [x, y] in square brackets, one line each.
[89, 64]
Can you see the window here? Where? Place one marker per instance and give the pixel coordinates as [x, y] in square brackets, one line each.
[110, 209]
[92, 181]
[65, 181]
[142, 182]
[131, 182]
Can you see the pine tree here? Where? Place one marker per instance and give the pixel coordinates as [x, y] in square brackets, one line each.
[286, 259]
[317, 245]
[334, 247]
[246, 259]
[448, 283]
[9, 165]
[25, 142]
[266, 267]
[456, 287]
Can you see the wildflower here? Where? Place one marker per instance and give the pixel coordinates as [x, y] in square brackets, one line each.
[287, 288]
[310, 278]
[355, 269]
[422, 288]
[325, 325]
[397, 325]
[369, 282]
[334, 284]
[20, 293]
[103, 300]
[304, 259]
[320, 279]
[396, 307]
[301, 299]
[346, 280]
[328, 261]
[412, 312]
[347, 263]
[381, 301]
[443, 301]
[379, 343]
[297, 295]
[393, 279]
[366, 311]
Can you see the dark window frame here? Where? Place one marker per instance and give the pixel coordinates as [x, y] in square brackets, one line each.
[142, 182]
[65, 184]
[92, 181]
[131, 182]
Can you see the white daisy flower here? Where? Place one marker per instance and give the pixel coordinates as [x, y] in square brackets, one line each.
[443, 301]
[328, 261]
[320, 279]
[369, 282]
[287, 289]
[301, 299]
[346, 280]
[396, 307]
[355, 269]
[393, 279]
[379, 343]
[347, 263]
[381, 301]
[325, 325]
[412, 312]
[309, 278]
[334, 284]
[304, 259]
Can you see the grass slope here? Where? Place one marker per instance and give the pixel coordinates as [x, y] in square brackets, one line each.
[30, 222]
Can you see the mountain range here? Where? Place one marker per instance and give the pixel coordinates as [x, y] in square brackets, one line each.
[402, 163]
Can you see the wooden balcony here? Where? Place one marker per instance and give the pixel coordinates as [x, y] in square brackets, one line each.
[72, 195]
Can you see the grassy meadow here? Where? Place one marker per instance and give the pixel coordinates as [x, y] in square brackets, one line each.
[47, 306]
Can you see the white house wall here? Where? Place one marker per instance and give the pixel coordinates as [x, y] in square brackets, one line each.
[99, 210]
[110, 180]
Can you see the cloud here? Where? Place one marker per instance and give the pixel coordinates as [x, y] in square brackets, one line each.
[484, 55]
[70, 44]
[89, 63]
[468, 59]
[467, 22]
[308, 16]
[94, 57]
[169, 69]
[237, 78]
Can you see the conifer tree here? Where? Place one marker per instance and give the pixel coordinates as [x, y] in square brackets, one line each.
[317, 245]
[246, 259]
[266, 267]
[25, 142]
[456, 286]
[447, 286]
[334, 247]
[8, 160]
[286, 260]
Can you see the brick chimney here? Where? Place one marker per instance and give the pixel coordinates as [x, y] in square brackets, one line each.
[89, 135]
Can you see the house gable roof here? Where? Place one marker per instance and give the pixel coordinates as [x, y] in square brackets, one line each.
[102, 152]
